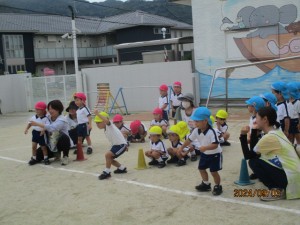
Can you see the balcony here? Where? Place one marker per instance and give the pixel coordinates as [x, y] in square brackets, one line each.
[60, 54]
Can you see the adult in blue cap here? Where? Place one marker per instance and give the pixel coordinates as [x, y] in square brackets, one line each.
[211, 152]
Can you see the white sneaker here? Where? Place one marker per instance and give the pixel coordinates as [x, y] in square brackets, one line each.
[65, 161]
[273, 195]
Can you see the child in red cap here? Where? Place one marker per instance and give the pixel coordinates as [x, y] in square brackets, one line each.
[84, 119]
[163, 101]
[118, 122]
[175, 103]
[159, 121]
[38, 134]
[138, 132]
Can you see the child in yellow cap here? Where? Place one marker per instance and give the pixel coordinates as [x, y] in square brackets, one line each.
[117, 140]
[222, 127]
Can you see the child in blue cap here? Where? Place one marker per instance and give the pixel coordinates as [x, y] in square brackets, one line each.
[253, 135]
[280, 91]
[294, 109]
[211, 152]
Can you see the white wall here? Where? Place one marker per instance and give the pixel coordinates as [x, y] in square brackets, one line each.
[133, 77]
[13, 92]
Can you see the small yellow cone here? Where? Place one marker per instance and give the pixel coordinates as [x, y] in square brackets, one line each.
[141, 161]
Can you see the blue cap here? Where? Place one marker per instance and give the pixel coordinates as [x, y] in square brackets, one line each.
[202, 113]
[279, 86]
[271, 98]
[257, 102]
[293, 90]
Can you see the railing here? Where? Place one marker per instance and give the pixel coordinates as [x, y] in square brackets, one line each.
[46, 54]
[230, 69]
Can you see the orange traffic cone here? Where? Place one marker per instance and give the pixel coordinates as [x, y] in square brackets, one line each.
[80, 156]
[141, 161]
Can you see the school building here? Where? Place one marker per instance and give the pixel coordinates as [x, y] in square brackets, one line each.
[34, 42]
[235, 32]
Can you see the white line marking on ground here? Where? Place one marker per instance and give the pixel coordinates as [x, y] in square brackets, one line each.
[187, 193]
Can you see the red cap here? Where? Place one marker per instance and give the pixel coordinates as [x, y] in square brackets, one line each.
[163, 87]
[134, 126]
[80, 95]
[40, 105]
[177, 84]
[158, 111]
[117, 118]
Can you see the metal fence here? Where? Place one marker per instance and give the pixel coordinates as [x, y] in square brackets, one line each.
[49, 88]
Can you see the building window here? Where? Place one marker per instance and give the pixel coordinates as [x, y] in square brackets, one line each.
[14, 47]
[157, 30]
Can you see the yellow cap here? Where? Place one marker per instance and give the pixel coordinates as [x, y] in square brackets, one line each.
[222, 114]
[174, 129]
[184, 129]
[97, 119]
[155, 130]
[212, 118]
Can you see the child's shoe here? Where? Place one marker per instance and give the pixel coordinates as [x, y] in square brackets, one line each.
[161, 164]
[153, 162]
[203, 187]
[181, 162]
[194, 158]
[121, 171]
[225, 143]
[65, 161]
[89, 150]
[217, 190]
[47, 161]
[32, 161]
[172, 160]
[104, 175]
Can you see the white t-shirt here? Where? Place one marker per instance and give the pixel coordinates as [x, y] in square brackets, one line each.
[252, 120]
[174, 99]
[43, 120]
[82, 115]
[209, 136]
[159, 123]
[114, 135]
[159, 146]
[294, 109]
[72, 123]
[282, 111]
[163, 100]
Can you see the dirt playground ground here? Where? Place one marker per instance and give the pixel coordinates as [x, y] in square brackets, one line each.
[73, 195]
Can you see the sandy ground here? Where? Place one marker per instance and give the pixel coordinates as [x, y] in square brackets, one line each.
[73, 194]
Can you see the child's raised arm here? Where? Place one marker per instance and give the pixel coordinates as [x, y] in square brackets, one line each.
[105, 120]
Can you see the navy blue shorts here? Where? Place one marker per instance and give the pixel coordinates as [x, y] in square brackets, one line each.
[83, 130]
[118, 150]
[213, 162]
[37, 138]
[293, 126]
[165, 115]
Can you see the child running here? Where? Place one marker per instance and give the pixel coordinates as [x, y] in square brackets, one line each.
[84, 119]
[118, 142]
[38, 134]
[211, 152]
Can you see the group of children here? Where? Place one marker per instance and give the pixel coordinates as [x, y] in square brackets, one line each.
[205, 138]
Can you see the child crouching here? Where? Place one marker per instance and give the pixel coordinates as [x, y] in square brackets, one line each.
[158, 152]
[116, 138]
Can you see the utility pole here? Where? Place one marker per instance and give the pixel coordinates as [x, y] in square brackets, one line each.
[78, 76]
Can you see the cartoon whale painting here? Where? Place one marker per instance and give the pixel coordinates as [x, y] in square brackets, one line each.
[270, 38]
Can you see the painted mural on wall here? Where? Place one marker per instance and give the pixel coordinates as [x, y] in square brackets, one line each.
[273, 33]
[254, 31]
